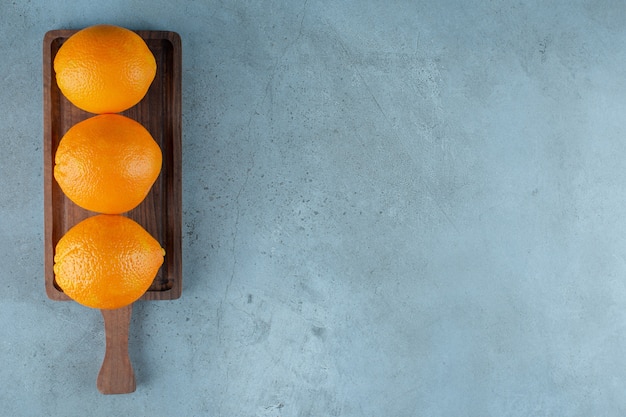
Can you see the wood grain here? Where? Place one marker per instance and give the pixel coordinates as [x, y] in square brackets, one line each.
[160, 112]
[116, 373]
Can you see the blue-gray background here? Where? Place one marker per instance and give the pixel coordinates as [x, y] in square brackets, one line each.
[406, 208]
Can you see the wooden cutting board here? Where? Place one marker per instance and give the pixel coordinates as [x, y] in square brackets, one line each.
[160, 213]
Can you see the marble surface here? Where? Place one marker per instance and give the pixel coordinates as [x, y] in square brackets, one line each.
[401, 208]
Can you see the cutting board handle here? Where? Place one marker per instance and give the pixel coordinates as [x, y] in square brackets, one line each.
[116, 374]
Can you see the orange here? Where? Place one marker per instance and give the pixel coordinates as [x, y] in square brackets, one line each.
[106, 261]
[104, 69]
[107, 163]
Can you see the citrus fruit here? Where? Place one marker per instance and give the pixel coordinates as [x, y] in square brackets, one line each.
[106, 261]
[104, 69]
[107, 163]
